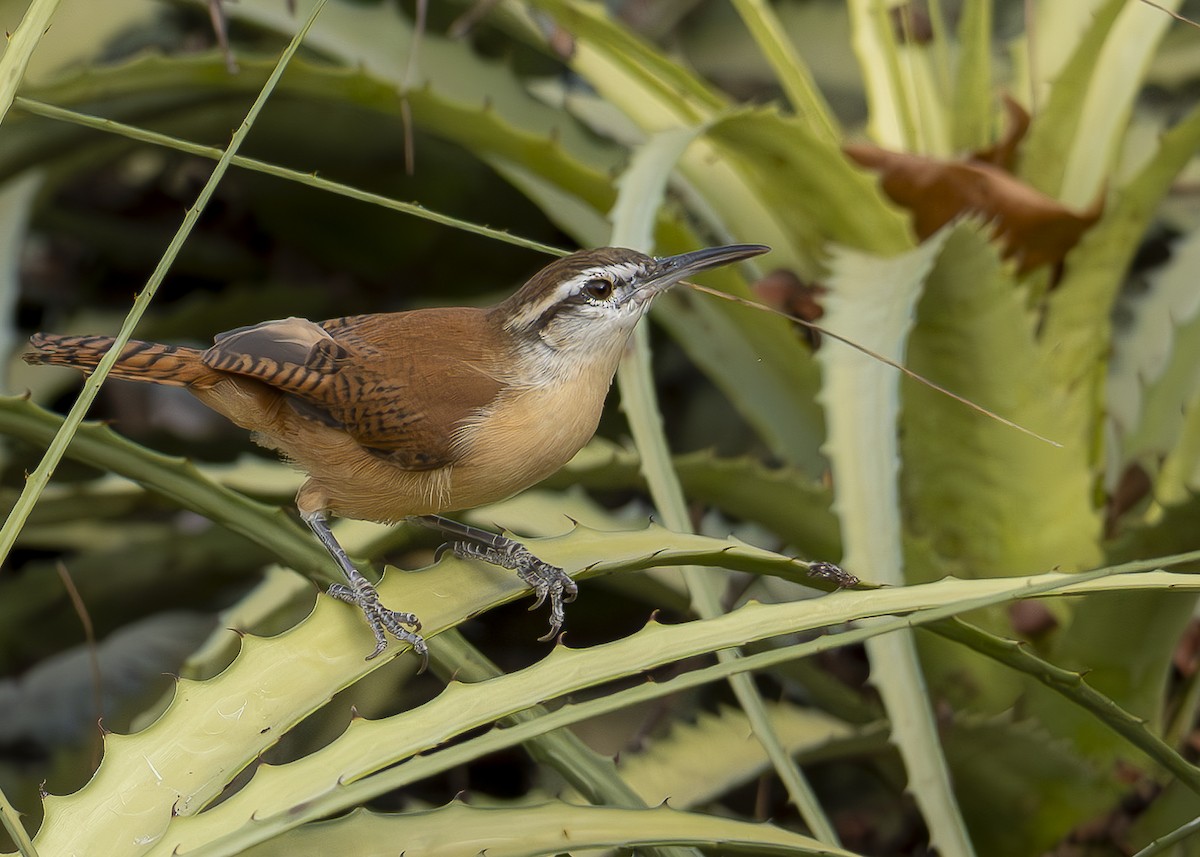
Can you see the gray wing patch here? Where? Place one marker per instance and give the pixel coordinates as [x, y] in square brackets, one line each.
[260, 348]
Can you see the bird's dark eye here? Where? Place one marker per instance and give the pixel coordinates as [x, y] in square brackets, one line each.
[598, 289]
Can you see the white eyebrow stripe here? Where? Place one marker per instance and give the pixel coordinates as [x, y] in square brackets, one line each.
[623, 272]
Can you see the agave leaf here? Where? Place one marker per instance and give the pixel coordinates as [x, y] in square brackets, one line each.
[361, 747]
[1155, 367]
[1056, 126]
[872, 301]
[16, 205]
[1113, 85]
[783, 499]
[641, 189]
[972, 114]
[827, 198]
[891, 122]
[1077, 326]
[789, 66]
[995, 760]
[195, 719]
[1015, 503]
[544, 829]
[696, 763]
[201, 740]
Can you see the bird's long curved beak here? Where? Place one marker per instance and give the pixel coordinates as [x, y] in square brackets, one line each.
[669, 270]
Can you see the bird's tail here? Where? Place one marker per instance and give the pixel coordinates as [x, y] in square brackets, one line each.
[175, 365]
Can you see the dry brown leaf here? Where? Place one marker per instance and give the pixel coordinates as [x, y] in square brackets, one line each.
[1035, 229]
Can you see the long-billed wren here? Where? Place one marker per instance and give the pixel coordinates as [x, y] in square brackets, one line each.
[411, 414]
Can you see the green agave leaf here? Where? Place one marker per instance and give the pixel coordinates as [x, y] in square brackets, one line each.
[1078, 311]
[973, 109]
[995, 761]
[212, 729]
[1137, 679]
[528, 831]
[783, 499]
[1014, 503]
[642, 187]
[16, 205]
[1113, 85]
[872, 301]
[372, 745]
[891, 122]
[790, 68]
[1155, 366]
[696, 763]
[757, 360]
[1055, 127]
[659, 79]
[827, 198]
[21, 44]
[1180, 476]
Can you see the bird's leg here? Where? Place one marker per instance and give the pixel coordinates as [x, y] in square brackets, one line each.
[548, 581]
[359, 591]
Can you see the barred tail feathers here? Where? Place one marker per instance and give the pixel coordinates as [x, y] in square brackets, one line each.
[174, 365]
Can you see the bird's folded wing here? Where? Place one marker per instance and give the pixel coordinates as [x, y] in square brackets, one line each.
[402, 385]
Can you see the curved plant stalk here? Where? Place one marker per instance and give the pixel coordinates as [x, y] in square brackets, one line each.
[21, 44]
[873, 301]
[1073, 687]
[11, 820]
[1179, 834]
[641, 192]
[790, 68]
[141, 135]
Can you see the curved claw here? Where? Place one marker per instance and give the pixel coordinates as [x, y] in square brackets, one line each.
[549, 582]
[382, 620]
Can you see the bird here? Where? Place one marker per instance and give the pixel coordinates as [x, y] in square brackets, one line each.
[419, 413]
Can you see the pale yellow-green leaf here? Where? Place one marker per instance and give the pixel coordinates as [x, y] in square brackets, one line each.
[458, 830]
[872, 301]
[1113, 86]
[16, 203]
[1155, 366]
[1055, 125]
[973, 107]
[698, 762]
[1013, 503]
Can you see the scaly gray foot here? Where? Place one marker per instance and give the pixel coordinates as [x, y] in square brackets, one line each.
[382, 620]
[549, 582]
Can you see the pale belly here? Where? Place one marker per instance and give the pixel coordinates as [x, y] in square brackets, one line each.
[526, 440]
